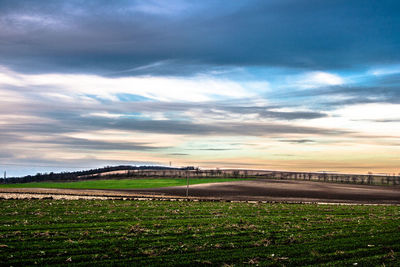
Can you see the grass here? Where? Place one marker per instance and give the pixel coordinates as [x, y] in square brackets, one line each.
[118, 183]
[153, 233]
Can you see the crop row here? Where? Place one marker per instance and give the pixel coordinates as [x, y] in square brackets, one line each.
[84, 232]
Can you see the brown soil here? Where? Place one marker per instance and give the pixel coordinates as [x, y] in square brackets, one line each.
[28, 193]
[288, 191]
[259, 190]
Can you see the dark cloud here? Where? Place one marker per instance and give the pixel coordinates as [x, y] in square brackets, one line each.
[384, 89]
[84, 144]
[297, 141]
[6, 155]
[362, 95]
[386, 120]
[178, 154]
[264, 112]
[46, 107]
[77, 124]
[213, 149]
[214, 108]
[178, 37]
[54, 119]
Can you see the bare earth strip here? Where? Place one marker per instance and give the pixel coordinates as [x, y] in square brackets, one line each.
[27, 193]
[258, 190]
[288, 191]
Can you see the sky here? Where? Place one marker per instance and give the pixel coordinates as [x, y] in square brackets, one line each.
[303, 85]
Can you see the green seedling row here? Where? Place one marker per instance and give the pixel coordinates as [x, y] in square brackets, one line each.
[153, 233]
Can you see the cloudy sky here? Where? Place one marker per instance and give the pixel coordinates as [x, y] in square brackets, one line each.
[278, 84]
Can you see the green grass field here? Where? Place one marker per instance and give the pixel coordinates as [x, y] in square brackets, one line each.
[119, 183]
[145, 233]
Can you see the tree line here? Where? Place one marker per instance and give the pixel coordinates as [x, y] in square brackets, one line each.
[84, 174]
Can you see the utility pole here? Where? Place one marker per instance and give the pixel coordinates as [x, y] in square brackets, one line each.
[187, 185]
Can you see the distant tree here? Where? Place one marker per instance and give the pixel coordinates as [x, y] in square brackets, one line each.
[370, 179]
